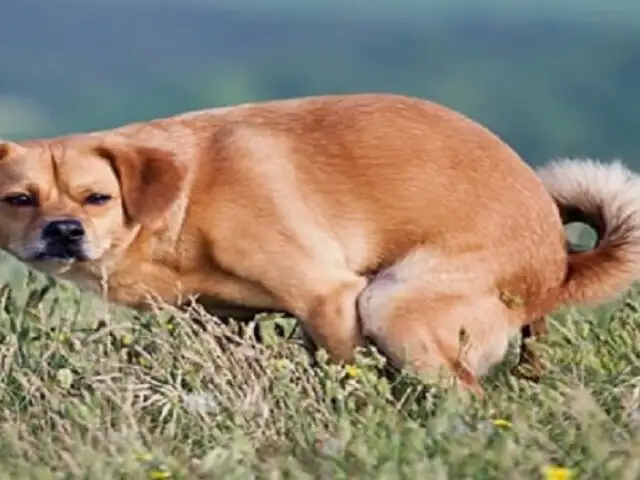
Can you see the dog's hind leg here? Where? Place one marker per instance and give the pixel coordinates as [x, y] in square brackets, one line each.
[429, 313]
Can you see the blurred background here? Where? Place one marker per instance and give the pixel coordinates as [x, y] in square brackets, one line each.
[551, 77]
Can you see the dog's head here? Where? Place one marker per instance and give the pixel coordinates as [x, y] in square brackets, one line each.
[77, 200]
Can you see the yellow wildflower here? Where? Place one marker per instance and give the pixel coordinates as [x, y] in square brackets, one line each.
[127, 340]
[352, 371]
[159, 474]
[502, 423]
[557, 473]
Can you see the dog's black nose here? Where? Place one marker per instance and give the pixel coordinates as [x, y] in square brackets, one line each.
[64, 231]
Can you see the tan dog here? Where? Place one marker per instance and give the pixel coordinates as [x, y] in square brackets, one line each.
[293, 205]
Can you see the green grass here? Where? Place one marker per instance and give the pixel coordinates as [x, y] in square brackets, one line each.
[105, 394]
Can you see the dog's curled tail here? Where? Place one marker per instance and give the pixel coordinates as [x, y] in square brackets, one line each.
[606, 197]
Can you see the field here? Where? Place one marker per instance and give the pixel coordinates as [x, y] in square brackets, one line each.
[90, 392]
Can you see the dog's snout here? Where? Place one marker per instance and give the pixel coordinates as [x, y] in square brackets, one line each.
[65, 230]
[64, 239]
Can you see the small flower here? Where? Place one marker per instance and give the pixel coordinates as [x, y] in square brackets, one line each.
[127, 340]
[143, 362]
[502, 423]
[557, 473]
[64, 376]
[352, 371]
[159, 474]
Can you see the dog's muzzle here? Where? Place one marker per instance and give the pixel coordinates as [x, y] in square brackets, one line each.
[64, 239]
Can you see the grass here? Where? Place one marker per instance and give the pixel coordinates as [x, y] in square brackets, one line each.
[111, 394]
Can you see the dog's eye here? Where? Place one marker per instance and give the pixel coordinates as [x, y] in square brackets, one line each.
[97, 199]
[20, 200]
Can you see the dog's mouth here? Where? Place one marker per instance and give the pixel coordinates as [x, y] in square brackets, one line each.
[44, 257]
[62, 252]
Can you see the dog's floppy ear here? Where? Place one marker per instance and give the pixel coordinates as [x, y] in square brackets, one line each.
[8, 148]
[151, 180]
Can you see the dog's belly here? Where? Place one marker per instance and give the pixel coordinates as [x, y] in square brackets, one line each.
[223, 309]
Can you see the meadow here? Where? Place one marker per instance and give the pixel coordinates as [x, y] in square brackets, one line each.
[90, 391]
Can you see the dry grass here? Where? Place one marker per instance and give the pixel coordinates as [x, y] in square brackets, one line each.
[87, 395]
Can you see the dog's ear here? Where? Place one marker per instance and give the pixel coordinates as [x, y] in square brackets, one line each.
[151, 180]
[8, 148]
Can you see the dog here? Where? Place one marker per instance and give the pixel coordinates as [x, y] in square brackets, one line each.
[369, 217]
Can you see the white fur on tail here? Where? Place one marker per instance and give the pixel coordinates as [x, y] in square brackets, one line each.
[607, 197]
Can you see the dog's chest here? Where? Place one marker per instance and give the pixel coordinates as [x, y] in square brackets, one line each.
[86, 281]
